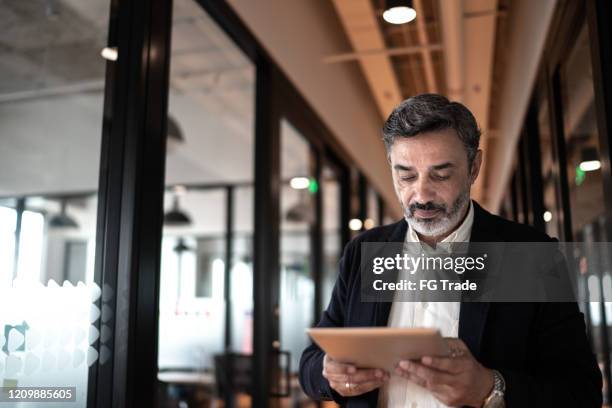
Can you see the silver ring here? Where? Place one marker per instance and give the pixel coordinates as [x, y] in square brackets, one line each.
[348, 385]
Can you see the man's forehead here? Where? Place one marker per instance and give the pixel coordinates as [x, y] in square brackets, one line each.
[423, 151]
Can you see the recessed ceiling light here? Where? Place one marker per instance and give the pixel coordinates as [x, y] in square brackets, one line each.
[299, 183]
[355, 224]
[109, 53]
[399, 12]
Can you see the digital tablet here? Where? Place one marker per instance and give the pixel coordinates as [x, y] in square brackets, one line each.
[379, 347]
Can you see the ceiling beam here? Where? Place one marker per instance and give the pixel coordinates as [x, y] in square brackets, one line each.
[479, 28]
[360, 23]
[451, 21]
[430, 75]
[352, 56]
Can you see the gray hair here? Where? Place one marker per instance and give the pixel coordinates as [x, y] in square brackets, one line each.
[432, 112]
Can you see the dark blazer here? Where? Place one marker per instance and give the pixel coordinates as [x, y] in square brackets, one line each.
[541, 349]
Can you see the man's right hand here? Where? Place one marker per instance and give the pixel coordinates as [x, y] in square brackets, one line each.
[349, 381]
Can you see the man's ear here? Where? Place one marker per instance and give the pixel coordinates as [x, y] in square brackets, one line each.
[476, 163]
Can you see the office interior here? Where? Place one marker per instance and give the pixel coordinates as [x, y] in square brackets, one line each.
[178, 177]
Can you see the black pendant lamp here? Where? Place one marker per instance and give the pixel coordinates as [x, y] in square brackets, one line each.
[176, 217]
[63, 220]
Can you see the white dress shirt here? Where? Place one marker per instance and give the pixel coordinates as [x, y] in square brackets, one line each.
[444, 316]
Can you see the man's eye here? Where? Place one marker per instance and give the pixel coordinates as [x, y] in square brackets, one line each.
[407, 178]
[440, 177]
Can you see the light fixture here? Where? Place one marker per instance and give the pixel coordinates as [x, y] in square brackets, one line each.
[109, 53]
[176, 217]
[399, 11]
[590, 159]
[547, 216]
[181, 246]
[299, 183]
[175, 135]
[355, 224]
[62, 220]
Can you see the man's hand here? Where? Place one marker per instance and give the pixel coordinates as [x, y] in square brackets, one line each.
[349, 381]
[457, 380]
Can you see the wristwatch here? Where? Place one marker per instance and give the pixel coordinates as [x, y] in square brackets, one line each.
[496, 398]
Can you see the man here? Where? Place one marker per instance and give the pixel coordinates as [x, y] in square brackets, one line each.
[517, 354]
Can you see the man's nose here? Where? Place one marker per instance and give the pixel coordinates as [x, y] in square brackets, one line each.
[423, 191]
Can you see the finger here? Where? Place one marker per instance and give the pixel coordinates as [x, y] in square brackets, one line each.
[367, 386]
[430, 375]
[355, 389]
[332, 366]
[360, 376]
[411, 377]
[340, 388]
[436, 389]
[456, 344]
[445, 364]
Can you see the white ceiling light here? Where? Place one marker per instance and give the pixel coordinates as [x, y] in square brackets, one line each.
[299, 183]
[109, 53]
[590, 165]
[355, 224]
[399, 12]
[590, 159]
[547, 216]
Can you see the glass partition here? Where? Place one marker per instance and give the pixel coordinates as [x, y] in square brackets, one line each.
[52, 78]
[206, 295]
[297, 218]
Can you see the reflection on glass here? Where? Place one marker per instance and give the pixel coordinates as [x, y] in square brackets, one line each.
[332, 235]
[297, 216]
[372, 218]
[586, 184]
[582, 139]
[51, 105]
[241, 293]
[209, 161]
[550, 174]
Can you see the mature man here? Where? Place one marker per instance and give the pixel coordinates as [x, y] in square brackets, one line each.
[517, 354]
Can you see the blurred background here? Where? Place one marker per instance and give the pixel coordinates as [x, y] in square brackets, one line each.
[199, 165]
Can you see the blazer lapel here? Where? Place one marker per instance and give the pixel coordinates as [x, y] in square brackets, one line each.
[473, 315]
[382, 309]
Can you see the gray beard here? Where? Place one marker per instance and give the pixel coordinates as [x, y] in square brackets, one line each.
[439, 226]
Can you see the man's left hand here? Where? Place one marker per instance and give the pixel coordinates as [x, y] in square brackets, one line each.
[456, 380]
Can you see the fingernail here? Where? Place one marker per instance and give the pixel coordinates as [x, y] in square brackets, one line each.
[378, 373]
[426, 360]
[351, 370]
[404, 364]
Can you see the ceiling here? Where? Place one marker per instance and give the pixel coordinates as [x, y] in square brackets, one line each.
[448, 49]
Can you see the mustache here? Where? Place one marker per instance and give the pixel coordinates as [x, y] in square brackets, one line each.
[428, 206]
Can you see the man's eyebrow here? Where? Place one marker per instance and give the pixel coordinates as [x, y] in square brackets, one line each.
[442, 166]
[402, 167]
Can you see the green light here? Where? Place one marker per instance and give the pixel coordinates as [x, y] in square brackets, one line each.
[313, 186]
[580, 175]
